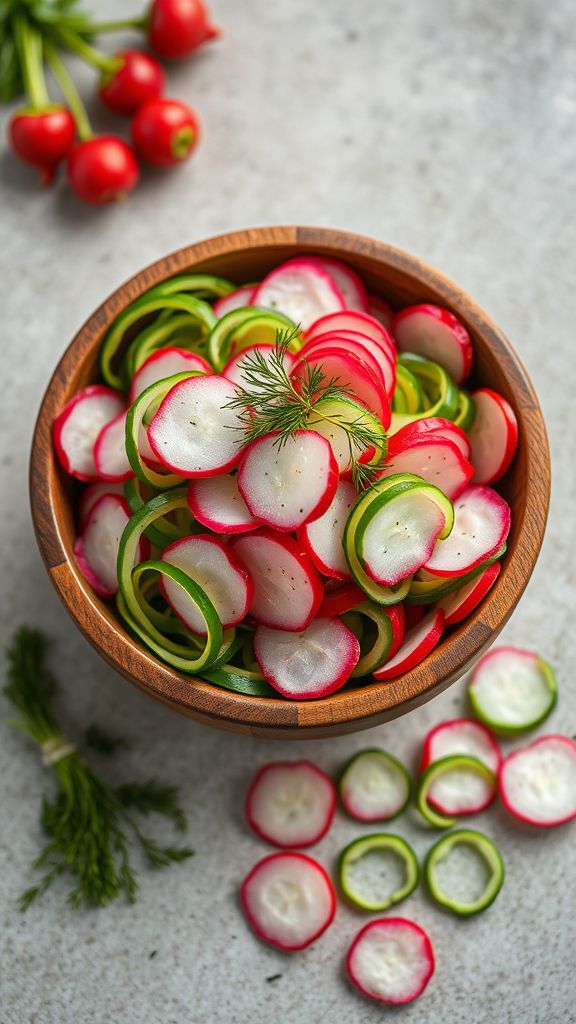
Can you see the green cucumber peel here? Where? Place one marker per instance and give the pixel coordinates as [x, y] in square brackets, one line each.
[441, 767]
[394, 491]
[163, 531]
[386, 842]
[244, 327]
[429, 591]
[408, 386]
[519, 729]
[158, 335]
[392, 765]
[490, 855]
[204, 286]
[466, 411]
[378, 651]
[239, 680]
[145, 405]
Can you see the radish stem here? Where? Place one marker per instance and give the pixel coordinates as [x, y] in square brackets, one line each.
[76, 44]
[29, 44]
[70, 93]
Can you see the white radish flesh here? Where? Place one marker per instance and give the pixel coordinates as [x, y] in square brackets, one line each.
[461, 791]
[417, 643]
[237, 367]
[288, 899]
[110, 455]
[400, 536]
[285, 486]
[436, 334]
[165, 363]
[391, 960]
[374, 787]
[211, 565]
[194, 432]
[461, 736]
[291, 803]
[234, 300]
[78, 425]
[538, 783]
[96, 550]
[91, 495]
[322, 538]
[349, 321]
[481, 526]
[462, 602]
[287, 587]
[493, 436]
[438, 461]
[301, 290]
[216, 502]
[347, 281]
[312, 663]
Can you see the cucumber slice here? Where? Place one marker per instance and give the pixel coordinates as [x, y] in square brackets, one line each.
[442, 850]
[464, 769]
[368, 871]
[430, 590]
[408, 391]
[204, 286]
[374, 786]
[466, 412]
[180, 327]
[243, 328]
[512, 691]
[380, 646]
[436, 383]
[326, 418]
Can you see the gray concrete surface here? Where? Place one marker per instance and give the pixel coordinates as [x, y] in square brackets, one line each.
[445, 127]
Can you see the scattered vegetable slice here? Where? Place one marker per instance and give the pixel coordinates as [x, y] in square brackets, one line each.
[391, 960]
[369, 856]
[512, 690]
[374, 786]
[288, 900]
[538, 783]
[291, 803]
[484, 849]
[472, 788]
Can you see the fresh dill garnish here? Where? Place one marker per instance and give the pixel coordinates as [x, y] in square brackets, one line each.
[270, 402]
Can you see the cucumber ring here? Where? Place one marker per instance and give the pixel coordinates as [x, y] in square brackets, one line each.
[150, 399]
[440, 767]
[512, 690]
[489, 853]
[365, 845]
[380, 649]
[374, 786]
[242, 322]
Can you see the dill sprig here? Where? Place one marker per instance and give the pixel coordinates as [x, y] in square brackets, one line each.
[88, 823]
[270, 402]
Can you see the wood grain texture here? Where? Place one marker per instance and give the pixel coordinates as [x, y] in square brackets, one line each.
[402, 280]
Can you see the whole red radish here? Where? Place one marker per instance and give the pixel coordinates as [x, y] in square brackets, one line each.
[178, 27]
[42, 137]
[164, 132]
[138, 80]
[102, 169]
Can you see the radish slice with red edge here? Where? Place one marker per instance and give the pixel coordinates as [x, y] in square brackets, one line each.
[461, 603]
[391, 960]
[436, 334]
[379, 361]
[435, 459]
[234, 300]
[300, 289]
[288, 900]
[397, 615]
[350, 320]
[354, 375]
[216, 502]
[110, 456]
[538, 783]
[401, 533]
[493, 436]
[287, 587]
[413, 614]
[194, 433]
[322, 538]
[213, 567]
[312, 663]
[90, 496]
[417, 644]
[512, 690]
[235, 368]
[291, 803]
[430, 425]
[165, 363]
[96, 549]
[347, 281]
[77, 427]
[481, 525]
[461, 736]
[463, 785]
[341, 599]
[374, 786]
[286, 485]
[380, 310]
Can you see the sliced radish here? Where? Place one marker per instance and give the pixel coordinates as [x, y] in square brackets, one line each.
[290, 485]
[77, 427]
[397, 615]
[400, 535]
[421, 428]
[309, 664]
[391, 960]
[90, 496]
[300, 289]
[351, 373]
[381, 363]
[326, 419]
[287, 587]
[216, 502]
[234, 300]
[110, 456]
[213, 567]
[322, 538]
[341, 599]
[194, 432]
[351, 320]
[374, 786]
[512, 690]
[417, 644]
[481, 526]
[347, 281]
[236, 368]
[413, 614]
[291, 803]
[288, 900]
[380, 310]
[165, 363]
[461, 603]
[436, 334]
[493, 436]
[96, 549]
[436, 460]
[461, 736]
[538, 783]
[457, 790]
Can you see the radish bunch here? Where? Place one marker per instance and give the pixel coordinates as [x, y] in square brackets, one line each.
[100, 168]
[288, 487]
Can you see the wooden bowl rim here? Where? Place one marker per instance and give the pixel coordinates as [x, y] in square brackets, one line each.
[360, 707]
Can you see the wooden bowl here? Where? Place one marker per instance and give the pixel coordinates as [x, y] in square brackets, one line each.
[402, 280]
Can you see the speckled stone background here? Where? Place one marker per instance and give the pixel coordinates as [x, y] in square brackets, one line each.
[445, 127]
